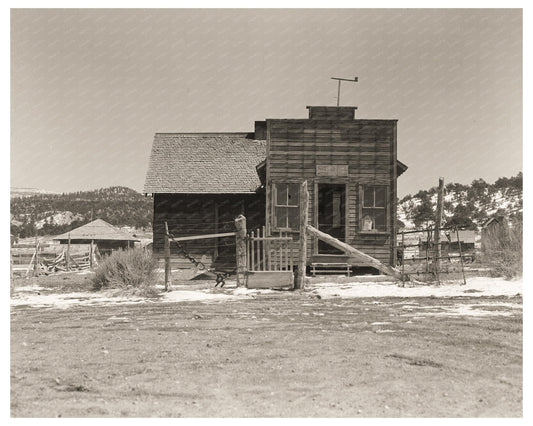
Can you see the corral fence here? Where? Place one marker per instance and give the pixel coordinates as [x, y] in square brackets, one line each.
[43, 258]
[420, 253]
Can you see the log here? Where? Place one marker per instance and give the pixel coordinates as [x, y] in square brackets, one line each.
[365, 258]
[304, 217]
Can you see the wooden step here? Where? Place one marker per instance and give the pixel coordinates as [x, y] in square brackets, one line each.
[330, 268]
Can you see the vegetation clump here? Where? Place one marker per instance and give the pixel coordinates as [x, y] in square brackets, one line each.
[502, 249]
[133, 270]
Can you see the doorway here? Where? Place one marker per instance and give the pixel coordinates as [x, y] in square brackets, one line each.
[331, 209]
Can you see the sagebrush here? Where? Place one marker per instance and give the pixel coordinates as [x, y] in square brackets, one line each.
[133, 269]
[502, 249]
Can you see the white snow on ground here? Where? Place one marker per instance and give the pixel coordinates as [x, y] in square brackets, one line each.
[475, 287]
[199, 295]
[470, 310]
[68, 300]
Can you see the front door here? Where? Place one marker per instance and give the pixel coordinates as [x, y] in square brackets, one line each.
[331, 214]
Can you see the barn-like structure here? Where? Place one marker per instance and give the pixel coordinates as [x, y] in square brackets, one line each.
[201, 181]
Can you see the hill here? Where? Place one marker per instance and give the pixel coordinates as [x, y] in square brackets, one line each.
[53, 214]
[27, 192]
[467, 206]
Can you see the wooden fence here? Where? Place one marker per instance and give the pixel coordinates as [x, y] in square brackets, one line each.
[268, 253]
[41, 258]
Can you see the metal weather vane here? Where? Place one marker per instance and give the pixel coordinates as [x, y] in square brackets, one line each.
[355, 80]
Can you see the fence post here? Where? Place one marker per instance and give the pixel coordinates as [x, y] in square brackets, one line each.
[304, 215]
[91, 253]
[438, 220]
[67, 255]
[167, 257]
[240, 247]
[461, 255]
[36, 264]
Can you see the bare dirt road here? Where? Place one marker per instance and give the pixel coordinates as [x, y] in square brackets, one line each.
[286, 354]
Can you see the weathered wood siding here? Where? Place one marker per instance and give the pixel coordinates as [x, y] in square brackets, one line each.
[197, 214]
[367, 147]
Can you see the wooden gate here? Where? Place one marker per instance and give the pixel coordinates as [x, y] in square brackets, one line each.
[269, 260]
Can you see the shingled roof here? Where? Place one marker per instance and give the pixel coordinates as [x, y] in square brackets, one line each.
[216, 163]
[96, 230]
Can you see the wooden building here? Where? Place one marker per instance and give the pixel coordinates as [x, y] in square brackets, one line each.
[200, 182]
[104, 235]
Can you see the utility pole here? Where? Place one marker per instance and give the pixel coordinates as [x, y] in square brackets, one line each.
[355, 80]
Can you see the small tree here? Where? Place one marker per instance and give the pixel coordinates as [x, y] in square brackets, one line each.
[423, 214]
[461, 217]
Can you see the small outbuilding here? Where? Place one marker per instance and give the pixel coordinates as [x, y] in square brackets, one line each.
[104, 235]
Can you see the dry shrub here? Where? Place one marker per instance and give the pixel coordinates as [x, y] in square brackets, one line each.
[134, 270]
[502, 250]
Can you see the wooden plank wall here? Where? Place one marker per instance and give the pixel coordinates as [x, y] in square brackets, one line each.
[194, 214]
[367, 146]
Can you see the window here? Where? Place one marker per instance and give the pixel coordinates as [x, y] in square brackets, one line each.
[286, 206]
[373, 208]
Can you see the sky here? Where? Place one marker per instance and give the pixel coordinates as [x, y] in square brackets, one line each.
[90, 87]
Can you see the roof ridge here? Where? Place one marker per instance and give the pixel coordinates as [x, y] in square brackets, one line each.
[204, 133]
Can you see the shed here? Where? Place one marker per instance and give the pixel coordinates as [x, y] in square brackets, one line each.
[103, 234]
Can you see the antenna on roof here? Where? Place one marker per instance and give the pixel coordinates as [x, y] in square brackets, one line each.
[355, 80]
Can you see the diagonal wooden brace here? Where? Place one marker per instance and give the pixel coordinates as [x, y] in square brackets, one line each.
[369, 260]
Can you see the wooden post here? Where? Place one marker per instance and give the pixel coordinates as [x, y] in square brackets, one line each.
[67, 256]
[240, 247]
[403, 254]
[304, 216]
[91, 254]
[438, 219]
[167, 258]
[461, 256]
[215, 249]
[36, 264]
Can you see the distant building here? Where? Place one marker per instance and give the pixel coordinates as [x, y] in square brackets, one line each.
[106, 237]
[493, 229]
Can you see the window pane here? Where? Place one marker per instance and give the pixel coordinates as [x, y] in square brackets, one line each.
[294, 194]
[294, 217]
[381, 196]
[281, 217]
[281, 191]
[368, 220]
[368, 197]
[380, 220]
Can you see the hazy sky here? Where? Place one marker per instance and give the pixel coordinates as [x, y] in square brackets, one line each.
[89, 88]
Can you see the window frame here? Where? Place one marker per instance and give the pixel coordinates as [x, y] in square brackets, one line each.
[287, 206]
[385, 208]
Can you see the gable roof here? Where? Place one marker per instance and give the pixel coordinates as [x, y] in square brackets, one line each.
[96, 230]
[217, 163]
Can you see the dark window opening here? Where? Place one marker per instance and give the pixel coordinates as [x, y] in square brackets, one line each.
[287, 206]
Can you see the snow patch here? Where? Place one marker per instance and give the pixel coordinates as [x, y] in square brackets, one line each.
[482, 286]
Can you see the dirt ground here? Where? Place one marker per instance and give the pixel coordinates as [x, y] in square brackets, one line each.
[276, 354]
